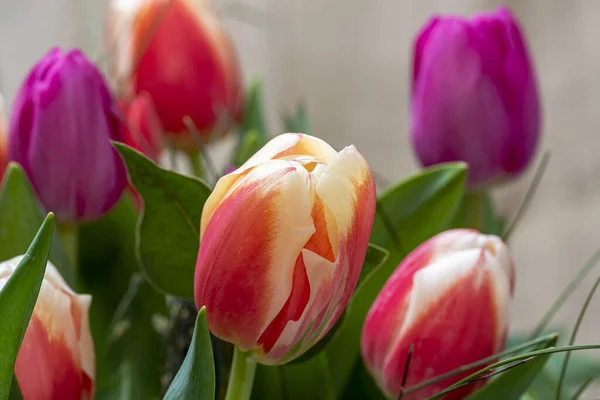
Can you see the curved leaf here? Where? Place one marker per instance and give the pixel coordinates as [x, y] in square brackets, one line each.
[17, 300]
[168, 227]
[196, 377]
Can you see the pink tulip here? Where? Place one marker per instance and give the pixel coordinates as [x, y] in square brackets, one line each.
[475, 96]
[450, 299]
[56, 358]
[283, 241]
[177, 51]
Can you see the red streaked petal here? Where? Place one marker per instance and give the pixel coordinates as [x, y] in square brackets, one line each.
[386, 316]
[456, 331]
[263, 223]
[292, 309]
[47, 369]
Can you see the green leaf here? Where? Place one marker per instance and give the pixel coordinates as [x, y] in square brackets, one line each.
[254, 119]
[127, 313]
[20, 217]
[376, 257]
[477, 212]
[418, 208]
[196, 377]
[168, 229]
[514, 382]
[250, 143]
[17, 300]
[412, 211]
[297, 121]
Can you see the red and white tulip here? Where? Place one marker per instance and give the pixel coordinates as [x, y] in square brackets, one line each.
[450, 299]
[283, 241]
[56, 358]
[178, 52]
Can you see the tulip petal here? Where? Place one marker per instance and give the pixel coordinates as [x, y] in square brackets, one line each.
[273, 209]
[458, 324]
[280, 147]
[56, 354]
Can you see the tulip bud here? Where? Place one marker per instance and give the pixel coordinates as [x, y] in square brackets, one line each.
[475, 96]
[3, 151]
[56, 358]
[283, 241]
[450, 299]
[144, 131]
[60, 130]
[177, 51]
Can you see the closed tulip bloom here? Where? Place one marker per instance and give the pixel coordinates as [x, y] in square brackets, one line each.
[475, 96]
[177, 51]
[283, 241]
[450, 299]
[56, 358]
[3, 150]
[60, 130]
[144, 131]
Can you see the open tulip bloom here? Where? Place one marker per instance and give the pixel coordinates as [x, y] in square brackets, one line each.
[299, 281]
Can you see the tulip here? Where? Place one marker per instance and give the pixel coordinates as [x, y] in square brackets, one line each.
[450, 299]
[283, 241]
[475, 96]
[177, 51]
[144, 131]
[60, 131]
[3, 151]
[56, 358]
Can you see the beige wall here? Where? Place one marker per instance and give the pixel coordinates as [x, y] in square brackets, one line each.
[349, 59]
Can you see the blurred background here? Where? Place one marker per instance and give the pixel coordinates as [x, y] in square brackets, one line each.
[350, 61]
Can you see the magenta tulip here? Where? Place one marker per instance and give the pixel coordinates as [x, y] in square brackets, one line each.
[475, 96]
[60, 130]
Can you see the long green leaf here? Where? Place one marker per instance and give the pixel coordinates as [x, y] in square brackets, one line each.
[17, 300]
[168, 227]
[525, 357]
[20, 217]
[196, 377]
[514, 382]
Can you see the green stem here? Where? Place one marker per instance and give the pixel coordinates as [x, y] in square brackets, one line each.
[69, 234]
[475, 213]
[196, 164]
[242, 376]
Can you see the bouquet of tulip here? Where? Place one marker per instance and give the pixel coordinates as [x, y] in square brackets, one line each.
[289, 276]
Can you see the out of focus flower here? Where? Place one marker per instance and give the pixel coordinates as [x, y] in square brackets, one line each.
[475, 96]
[60, 130]
[144, 131]
[450, 299]
[3, 150]
[283, 241]
[56, 358]
[177, 51]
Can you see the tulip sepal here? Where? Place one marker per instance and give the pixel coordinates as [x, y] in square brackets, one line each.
[243, 369]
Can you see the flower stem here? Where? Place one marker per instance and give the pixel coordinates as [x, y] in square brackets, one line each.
[196, 164]
[242, 376]
[69, 235]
